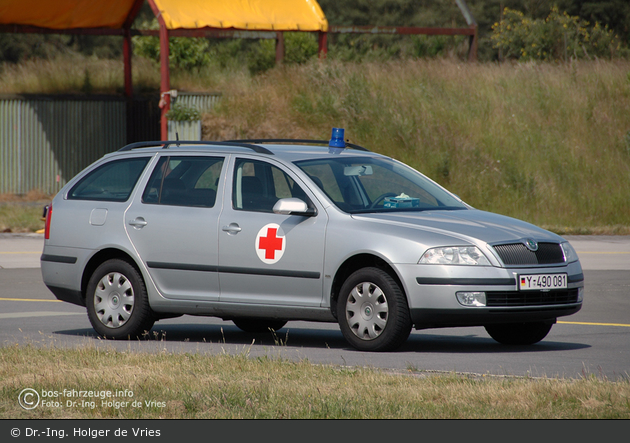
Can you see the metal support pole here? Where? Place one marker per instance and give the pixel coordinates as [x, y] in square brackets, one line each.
[474, 43]
[165, 82]
[322, 41]
[128, 84]
[279, 47]
[127, 62]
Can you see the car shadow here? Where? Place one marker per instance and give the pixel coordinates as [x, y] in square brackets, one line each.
[476, 344]
[417, 342]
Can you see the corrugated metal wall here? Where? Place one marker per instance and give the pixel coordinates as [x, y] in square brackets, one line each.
[47, 140]
[184, 130]
[202, 101]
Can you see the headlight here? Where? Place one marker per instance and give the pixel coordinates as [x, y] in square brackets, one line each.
[569, 253]
[455, 255]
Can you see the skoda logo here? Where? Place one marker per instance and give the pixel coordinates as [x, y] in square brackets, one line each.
[531, 244]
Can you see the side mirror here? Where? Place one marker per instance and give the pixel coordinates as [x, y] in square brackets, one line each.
[293, 206]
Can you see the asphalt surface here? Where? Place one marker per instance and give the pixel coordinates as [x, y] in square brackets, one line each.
[595, 341]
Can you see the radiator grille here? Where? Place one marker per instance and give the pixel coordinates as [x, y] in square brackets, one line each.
[532, 298]
[518, 254]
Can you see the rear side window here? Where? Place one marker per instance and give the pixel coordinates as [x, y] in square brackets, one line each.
[184, 181]
[112, 181]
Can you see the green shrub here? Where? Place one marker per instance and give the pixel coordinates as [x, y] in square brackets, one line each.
[299, 47]
[557, 37]
[262, 57]
[184, 52]
[182, 113]
[430, 46]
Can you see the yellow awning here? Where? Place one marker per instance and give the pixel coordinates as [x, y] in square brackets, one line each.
[65, 14]
[278, 15]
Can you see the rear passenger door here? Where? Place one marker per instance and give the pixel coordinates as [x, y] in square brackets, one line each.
[173, 226]
[267, 258]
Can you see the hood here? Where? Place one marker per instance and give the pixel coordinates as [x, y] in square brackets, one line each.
[466, 224]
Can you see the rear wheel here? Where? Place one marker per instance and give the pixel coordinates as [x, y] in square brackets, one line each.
[519, 333]
[255, 325]
[117, 302]
[372, 311]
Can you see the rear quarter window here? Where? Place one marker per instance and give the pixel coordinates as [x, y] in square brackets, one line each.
[112, 181]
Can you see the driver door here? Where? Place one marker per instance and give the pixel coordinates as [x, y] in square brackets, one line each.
[265, 257]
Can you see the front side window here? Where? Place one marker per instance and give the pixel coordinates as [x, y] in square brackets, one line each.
[112, 181]
[370, 184]
[184, 181]
[259, 185]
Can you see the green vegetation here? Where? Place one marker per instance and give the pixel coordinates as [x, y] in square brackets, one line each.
[559, 36]
[19, 214]
[547, 143]
[21, 218]
[185, 53]
[613, 14]
[181, 113]
[196, 386]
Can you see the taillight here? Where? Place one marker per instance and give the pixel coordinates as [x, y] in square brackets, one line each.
[48, 218]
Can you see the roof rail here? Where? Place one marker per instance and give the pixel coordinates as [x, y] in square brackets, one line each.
[167, 144]
[290, 140]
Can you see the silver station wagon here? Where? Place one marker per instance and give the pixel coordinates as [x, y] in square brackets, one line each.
[261, 232]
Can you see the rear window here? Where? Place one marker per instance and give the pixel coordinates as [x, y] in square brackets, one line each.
[112, 181]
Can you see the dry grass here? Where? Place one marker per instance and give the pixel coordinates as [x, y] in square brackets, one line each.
[33, 196]
[548, 143]
[77, 74]
[225, 386]
[22, 213]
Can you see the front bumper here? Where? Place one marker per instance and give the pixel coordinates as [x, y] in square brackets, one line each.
[431, 291]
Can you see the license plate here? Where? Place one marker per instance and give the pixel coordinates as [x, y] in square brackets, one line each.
[538, 282]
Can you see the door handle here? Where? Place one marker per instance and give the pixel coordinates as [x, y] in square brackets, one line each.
[232, 229]
[138, 223]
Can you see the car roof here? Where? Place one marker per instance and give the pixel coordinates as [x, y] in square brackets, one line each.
[286, 149]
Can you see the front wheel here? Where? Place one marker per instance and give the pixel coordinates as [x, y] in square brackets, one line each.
[117, 302]
[372, 311]
[519, 333]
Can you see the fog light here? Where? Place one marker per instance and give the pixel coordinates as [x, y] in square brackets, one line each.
[471, 298]
[580, 295]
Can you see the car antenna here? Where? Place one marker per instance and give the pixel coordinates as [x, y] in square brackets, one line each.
[177, 137]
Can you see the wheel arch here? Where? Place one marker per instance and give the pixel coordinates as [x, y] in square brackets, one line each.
[355, 263]
[100, 258]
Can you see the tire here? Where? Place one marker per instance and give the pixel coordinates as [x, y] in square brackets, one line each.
[117, 302]
[256, 325]
[372, 311]
[519, 333]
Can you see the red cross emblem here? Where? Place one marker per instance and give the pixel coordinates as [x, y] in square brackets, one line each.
[270, 243]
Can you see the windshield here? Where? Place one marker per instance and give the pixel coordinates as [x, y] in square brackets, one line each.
[365, 184]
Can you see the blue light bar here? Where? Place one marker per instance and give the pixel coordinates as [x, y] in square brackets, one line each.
[336, 140]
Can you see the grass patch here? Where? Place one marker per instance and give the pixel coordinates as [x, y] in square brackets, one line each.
[548, 143]
[22, 213]
[543, 142]
[194, 386]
